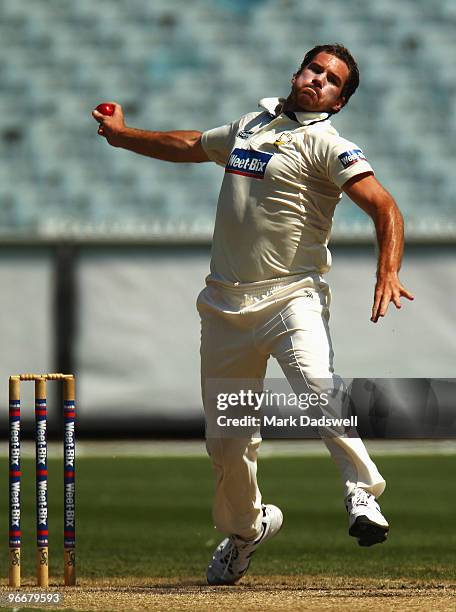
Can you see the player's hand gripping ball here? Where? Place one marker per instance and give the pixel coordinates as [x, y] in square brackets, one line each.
[106, 109]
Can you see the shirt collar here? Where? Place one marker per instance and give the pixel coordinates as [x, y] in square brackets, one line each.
[274, 108]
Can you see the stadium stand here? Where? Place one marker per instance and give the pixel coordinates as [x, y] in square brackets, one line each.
[195, 65]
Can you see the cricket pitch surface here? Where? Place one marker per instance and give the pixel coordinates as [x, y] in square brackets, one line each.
[298, 592]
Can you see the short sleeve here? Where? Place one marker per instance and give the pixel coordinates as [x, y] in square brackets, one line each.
[346, 160]
[218, 142]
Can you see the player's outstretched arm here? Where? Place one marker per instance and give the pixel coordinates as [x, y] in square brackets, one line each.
[178, 146]
[369, 195]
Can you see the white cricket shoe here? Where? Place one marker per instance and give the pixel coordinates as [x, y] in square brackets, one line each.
[365, 520]
[231, 558]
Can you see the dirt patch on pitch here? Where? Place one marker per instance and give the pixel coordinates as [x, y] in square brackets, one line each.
[258, 593]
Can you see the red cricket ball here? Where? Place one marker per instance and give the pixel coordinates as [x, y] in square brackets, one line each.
[105, 109]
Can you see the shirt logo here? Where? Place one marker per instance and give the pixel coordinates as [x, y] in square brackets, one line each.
[248, 163]
[245, 134]
[283, 139]
[351, 157]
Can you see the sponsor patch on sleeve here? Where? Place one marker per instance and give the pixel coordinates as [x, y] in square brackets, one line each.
[348, 158]
[248, 163]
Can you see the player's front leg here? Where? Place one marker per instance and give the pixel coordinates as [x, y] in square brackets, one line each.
[228, 360]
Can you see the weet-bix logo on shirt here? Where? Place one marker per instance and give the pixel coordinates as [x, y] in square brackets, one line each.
[351, 157]
[248, 163]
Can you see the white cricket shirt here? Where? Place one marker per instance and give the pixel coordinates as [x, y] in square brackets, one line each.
[282, 182]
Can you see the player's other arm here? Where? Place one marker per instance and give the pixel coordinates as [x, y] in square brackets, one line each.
[174, 146]
[369, 195]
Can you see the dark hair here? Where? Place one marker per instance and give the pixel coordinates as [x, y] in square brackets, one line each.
[344, 54]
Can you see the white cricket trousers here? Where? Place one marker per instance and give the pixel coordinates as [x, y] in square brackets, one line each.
[241, 326]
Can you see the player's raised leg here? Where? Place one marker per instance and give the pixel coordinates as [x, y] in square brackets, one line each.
[302, 346]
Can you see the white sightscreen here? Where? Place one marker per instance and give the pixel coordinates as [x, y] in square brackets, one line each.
[139, 332]
[26, 320]
[137, 352]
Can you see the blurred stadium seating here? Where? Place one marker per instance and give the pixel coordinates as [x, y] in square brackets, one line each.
[194, 65]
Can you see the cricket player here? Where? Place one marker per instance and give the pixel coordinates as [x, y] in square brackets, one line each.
[286, 167]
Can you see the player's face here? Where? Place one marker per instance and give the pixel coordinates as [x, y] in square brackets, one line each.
[318, 87]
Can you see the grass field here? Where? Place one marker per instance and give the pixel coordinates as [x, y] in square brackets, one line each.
[143, 518]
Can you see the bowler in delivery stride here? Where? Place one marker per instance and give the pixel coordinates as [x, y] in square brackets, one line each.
[285, 170]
